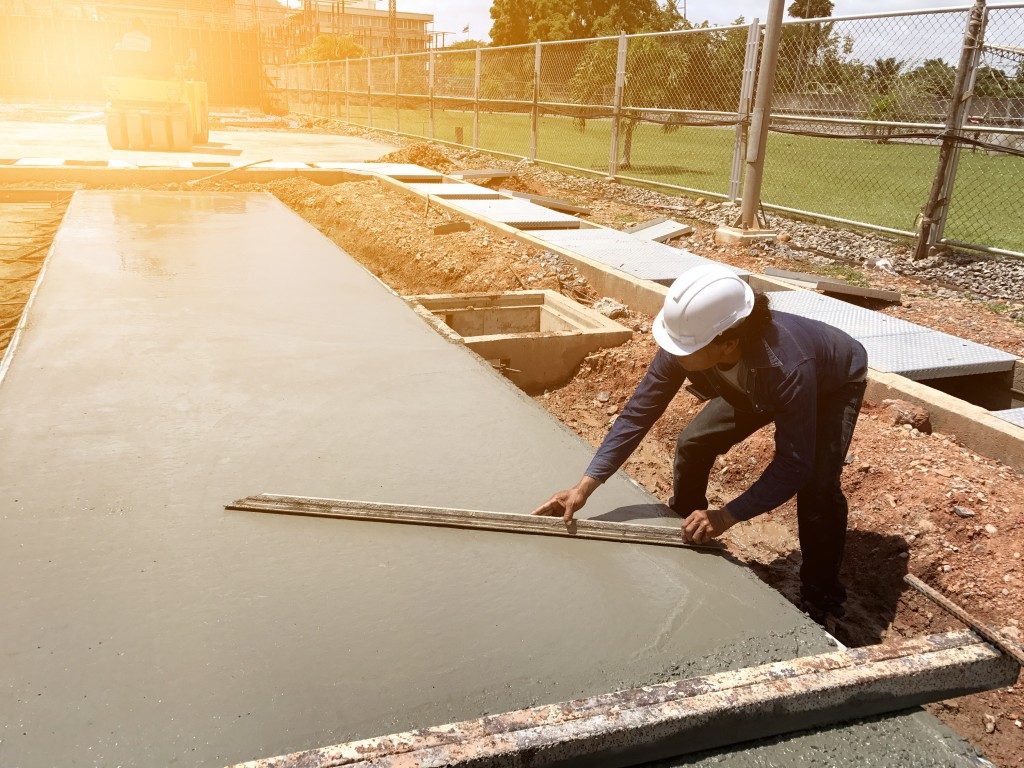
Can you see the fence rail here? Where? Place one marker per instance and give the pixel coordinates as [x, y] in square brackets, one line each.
[860, 111]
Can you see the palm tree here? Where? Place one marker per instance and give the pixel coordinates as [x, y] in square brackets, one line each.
[884, 73]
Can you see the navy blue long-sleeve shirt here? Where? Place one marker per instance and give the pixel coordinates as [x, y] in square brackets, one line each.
[788, 368]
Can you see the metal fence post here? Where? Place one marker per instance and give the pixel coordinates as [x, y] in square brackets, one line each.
[743, 109]
[761, 117]
[620, 84]
[476, 102]
[348, 90]
[369, 93]
[430, 93]
[536, 117]
[327, 94]
[398, 110]
[311, 83]
[936, 210]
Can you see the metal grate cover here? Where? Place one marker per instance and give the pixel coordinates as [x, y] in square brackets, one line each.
[1014, 416]
[856, 321]
[518, 213]
[644, 259]
[894, 345]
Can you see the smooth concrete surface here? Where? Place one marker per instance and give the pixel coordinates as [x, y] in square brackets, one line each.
[77, 141]
[185, 350]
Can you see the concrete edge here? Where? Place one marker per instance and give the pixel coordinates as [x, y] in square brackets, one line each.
[91, 175]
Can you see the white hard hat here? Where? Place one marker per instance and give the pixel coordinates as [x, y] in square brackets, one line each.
[703, 302]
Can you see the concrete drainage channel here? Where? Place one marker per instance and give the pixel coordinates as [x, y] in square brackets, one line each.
[536, 338]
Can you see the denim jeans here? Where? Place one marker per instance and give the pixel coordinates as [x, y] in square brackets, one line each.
[821, 506]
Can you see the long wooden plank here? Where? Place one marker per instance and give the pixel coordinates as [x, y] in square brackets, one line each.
[601, 530]
[554, 203]
[984, 630]
[685, 716]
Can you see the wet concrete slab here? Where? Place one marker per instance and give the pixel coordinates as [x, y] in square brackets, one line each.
[185, 350]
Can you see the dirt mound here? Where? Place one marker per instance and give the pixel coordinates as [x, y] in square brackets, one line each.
[425, 155]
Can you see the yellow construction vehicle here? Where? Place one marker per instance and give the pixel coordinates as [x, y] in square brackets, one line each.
[154, 103]
[156, 115]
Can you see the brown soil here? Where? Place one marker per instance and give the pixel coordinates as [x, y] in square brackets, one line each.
[424, 155]
[28, 229]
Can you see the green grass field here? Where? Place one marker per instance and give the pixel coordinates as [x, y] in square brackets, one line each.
[882, 184]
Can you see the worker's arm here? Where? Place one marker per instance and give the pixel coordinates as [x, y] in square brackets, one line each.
[655, 391]
[796, 411]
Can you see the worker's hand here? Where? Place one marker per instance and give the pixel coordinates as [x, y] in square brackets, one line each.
[567, 502]
[706, 524]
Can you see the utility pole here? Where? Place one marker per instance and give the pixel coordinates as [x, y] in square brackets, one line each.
[933, 216]
[747, 228]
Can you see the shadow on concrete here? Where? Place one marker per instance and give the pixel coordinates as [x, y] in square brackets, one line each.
[633, 512]
[873, 569]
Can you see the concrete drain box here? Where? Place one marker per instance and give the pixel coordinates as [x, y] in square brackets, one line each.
[536, 338]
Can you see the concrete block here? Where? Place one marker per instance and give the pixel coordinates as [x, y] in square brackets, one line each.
[737, 236]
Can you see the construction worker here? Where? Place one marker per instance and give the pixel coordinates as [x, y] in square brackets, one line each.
[757, 366]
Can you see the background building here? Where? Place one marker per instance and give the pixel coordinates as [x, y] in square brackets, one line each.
[366, 22]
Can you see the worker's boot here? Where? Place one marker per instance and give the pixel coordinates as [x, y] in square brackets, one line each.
[821, 606]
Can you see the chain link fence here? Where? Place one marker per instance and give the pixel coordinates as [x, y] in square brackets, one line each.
[860, 108]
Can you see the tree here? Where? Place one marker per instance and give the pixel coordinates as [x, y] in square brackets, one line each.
[933, 78]
[512, 21]
[991, 81]
[524, 21]
[804, 47]
[466, 45]
[811, 9]
[884, 74]
[330, 48]
[696, 72]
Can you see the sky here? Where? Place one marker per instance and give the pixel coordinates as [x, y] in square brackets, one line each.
[455, 15]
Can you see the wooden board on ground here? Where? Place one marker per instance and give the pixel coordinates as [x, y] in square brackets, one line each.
[833, 286]
[483, 173]
[841, 290]
[553, 203]
[660, 230]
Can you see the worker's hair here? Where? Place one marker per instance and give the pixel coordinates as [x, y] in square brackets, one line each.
[754, 325]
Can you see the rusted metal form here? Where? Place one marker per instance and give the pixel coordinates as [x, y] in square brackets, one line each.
[1005, 645]
[630, 533]
[685, 716]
